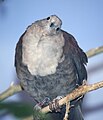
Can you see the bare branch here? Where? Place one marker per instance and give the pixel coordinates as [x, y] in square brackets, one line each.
[67, 110]
[13, 89]
[94, 51]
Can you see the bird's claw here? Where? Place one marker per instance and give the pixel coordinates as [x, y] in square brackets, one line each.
[42, 104]
[54, 105]
[38, 107]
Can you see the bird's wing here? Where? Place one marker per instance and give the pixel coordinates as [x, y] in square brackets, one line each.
[77, 55]
[18, 50]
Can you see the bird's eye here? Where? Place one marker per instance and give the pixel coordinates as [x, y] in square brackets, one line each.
[58, 29]
[48, 18]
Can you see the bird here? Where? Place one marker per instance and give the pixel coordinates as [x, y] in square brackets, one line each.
[50, 63]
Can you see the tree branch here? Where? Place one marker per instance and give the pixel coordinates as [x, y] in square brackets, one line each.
[94, 51]
[13, 89]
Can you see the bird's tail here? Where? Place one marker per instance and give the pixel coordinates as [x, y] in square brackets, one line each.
[76, 113]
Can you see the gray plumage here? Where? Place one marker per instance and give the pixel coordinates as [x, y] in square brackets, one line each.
[49, 62]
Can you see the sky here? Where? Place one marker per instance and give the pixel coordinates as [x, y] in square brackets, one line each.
[82, 18]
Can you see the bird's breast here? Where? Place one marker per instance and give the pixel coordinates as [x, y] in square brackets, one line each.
[41, 57]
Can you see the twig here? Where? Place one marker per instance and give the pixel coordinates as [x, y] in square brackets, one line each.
[67, 110]
[13, 89]
[94, 51]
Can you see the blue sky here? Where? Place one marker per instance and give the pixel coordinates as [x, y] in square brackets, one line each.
[82, 18]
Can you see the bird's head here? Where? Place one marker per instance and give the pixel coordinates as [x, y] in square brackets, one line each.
[54, 23]
[50, 25]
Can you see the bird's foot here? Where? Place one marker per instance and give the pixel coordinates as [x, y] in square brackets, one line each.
[54, 105]
[42, 104]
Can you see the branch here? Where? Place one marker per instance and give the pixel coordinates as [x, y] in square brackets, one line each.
[94, 51]
[13, 89]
